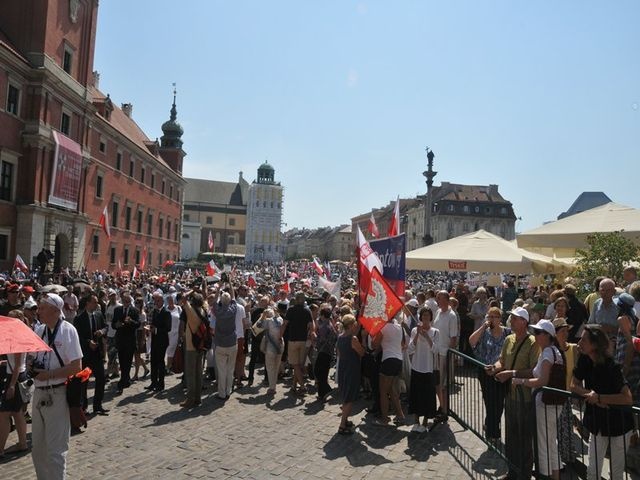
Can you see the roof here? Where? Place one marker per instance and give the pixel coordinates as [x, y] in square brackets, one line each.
[216, 192]
[586, 201]
[387, 211]
[126, 126]
[572, 231]
[6, 43]
[467, 193]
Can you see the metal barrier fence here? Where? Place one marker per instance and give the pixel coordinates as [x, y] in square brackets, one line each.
[481, 405]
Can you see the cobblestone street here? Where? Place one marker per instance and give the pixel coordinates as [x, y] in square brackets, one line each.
[252, 436]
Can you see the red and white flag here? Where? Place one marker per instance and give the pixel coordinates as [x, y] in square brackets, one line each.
[252, 282]
[104, 221]
[367, 260]
[381, 304]
[394, 226]
[317, 267]
[20, 265]
[212, 268]
[135, 273]
[210, 242]
[143, 260]
[372, 228]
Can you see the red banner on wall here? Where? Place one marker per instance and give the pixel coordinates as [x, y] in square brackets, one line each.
[457, 265]
[67, 171]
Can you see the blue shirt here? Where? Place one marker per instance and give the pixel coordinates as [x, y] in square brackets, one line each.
[489, 348]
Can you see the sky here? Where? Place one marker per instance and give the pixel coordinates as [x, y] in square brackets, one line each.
[342, 97]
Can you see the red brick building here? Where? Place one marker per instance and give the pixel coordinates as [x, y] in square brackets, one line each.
[67, 151]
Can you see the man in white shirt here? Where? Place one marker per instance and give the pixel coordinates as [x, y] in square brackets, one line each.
[447, 324]
[51, 426]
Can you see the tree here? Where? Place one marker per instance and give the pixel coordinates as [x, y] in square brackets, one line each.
[607, 255]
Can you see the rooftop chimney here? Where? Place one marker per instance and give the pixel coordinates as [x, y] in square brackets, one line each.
[127, 108]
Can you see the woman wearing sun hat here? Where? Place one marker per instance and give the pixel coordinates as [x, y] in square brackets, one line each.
[546, 415]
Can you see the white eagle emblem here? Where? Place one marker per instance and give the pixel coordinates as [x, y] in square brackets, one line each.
[376, 304]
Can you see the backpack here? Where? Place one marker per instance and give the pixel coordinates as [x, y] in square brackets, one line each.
[201, 338]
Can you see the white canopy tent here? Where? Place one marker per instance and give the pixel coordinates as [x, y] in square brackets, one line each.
[482, 251]
[562, 237]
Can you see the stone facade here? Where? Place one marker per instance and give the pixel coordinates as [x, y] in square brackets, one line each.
[326, 243]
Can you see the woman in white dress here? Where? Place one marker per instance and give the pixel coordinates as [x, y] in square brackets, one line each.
[174, 333]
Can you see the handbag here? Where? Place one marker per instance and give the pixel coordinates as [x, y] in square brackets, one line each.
[177, 364]
[557, 380]
[23, 387]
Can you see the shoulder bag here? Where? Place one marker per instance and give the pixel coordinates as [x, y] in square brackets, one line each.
[557, 380]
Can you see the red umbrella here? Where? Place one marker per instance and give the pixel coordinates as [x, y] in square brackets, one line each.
[16, 337]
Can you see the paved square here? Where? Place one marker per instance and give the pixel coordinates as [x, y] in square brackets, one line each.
[252, 436]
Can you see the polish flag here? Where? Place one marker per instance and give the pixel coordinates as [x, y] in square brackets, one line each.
[210, 242]
[135, 273]
[381, 304]
[317, 267]
[367, 261]
[20, 265]
[104, 221]
[372, 227]
[394, 226]
[211, 268]
[143, 260]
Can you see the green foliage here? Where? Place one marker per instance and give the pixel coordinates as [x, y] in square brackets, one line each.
[607, 255]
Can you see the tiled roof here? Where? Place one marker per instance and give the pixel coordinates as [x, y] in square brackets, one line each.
[216, 192]
[467, 193]
[126, 126]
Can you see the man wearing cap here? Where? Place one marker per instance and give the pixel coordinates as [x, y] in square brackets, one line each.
[12, 302]
[518, 358]
[51, 426]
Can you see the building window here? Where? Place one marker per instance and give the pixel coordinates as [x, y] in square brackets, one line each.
[139, 227]
[160, 258]
[114, 214]
[476, 209]
[160, 225]
[503, 211]
[451, 208]
[149, 223]
[103, 146]
[95, 244]
[153, 181]
[169, 230]
[132, 167]
[465, 209]
[65, 123]
[209, 220]
[99, 186]
[264, 204]
[162, 188]
[119, 161]
[175, 231]
[487, 210]
[231, 240]
[185, 217]
[127, 218]
[232, 222]
[170, 191]
[142, 172]
[112, 255]
[6, 181]
[137, 257]
[126, 256]
[13, 99]
[279, 205]
[465, 227]
[67, 59]
[4, 246]
[257, 203]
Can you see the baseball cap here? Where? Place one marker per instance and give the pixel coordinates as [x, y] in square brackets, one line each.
[520, 312]
[560, 323]
[28, 290]
[544, 326]
[412, 303]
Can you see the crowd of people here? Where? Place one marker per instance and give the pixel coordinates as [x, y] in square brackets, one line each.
[126, 330]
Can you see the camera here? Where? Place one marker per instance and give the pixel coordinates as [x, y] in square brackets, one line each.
[47, 401]
[35, 365]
